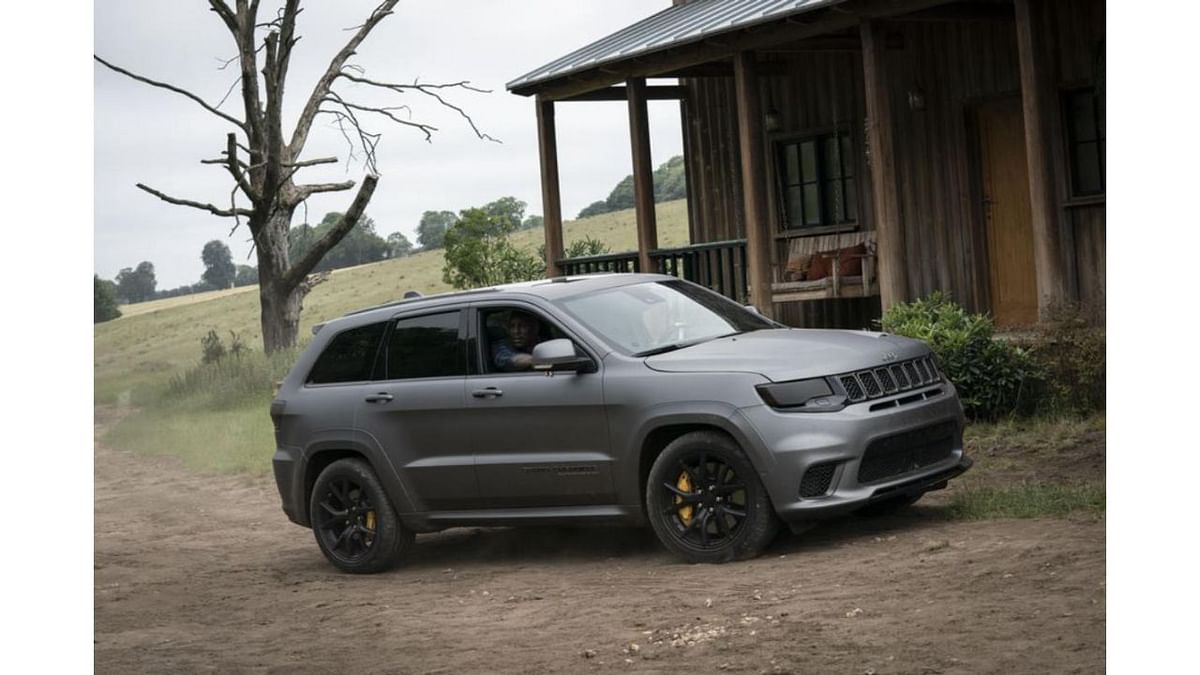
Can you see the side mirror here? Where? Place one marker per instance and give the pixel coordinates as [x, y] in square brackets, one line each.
[553, 355]
[752, 308]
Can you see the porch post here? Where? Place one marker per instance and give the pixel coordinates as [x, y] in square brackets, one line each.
[889, 231]
[754, 181]
[551, 203]
[1038, 103]
[643, 173]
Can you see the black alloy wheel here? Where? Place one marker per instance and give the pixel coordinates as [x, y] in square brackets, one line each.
[705, 500]
[353, 521]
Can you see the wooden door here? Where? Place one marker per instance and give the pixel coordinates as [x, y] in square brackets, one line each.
[1005, 177]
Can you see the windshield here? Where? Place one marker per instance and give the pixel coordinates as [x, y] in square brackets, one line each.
[658, 316]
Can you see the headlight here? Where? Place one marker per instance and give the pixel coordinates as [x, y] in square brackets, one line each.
[814, 395]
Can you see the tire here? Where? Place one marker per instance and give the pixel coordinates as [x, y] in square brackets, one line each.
[347, 500]
[701, 522]
[888, 507]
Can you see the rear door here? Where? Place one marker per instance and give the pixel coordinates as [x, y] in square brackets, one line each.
[542, 440]
[412, 409]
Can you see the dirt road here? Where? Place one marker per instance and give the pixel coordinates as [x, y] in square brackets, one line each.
[201, 573]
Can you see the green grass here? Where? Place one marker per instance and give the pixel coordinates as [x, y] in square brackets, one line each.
[237, 440]
[1027, 501]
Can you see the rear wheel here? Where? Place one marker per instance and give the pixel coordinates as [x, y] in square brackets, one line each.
[354, 522]
[705, 501]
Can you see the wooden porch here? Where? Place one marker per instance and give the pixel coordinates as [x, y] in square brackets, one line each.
[949, 127]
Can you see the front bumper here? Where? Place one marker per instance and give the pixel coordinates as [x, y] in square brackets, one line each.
[796, 442]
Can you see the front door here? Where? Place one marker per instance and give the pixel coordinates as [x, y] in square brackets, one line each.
[1005, 176]
[543, 440]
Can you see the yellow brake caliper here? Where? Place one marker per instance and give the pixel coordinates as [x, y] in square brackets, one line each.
[371, 521]
[685, 485]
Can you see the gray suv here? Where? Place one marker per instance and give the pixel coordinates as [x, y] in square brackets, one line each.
[621, 398]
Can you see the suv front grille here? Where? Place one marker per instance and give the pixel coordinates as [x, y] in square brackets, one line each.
[909, 451]
[871, 384]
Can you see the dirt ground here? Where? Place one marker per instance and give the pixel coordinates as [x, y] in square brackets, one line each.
[203, 573]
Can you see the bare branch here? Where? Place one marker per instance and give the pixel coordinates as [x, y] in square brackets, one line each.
[170, 87]
[427, 129]
[305, 191]
[301, 268]
[312, 162]
[229, 91]
[430, 90]
[224, 213]
[321, 90]
[366, 139]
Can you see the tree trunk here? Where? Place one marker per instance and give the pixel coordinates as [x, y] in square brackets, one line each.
[280, 305]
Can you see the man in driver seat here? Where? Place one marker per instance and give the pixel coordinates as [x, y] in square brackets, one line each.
[516, 352]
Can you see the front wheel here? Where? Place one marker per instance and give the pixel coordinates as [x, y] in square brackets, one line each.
[705, 501]
[354, 522]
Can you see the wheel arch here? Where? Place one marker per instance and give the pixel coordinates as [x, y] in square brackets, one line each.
[359, 445]
[661, 431]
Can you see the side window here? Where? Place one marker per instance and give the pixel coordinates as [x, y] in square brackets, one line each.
[509, 336]
[349, 357]
[426, 346]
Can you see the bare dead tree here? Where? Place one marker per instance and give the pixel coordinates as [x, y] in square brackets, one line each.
[263, 163]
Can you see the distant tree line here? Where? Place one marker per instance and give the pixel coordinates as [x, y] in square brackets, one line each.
[670, 183]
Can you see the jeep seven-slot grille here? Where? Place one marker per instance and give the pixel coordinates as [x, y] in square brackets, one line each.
[865, 385]
[909, 451]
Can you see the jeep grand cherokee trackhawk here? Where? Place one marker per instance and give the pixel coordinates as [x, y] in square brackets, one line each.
[643, 398]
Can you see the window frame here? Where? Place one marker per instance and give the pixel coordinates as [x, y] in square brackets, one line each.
[381, 365]
[778, 144]
[475, 339]
[1070, 143]
[374, 370]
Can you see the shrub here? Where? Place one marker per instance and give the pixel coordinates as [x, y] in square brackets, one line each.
[223, 384]
[1070, 349]
[479, 254]
[212, 348]
[994, 378]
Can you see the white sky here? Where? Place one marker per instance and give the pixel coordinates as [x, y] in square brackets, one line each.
[149, 135]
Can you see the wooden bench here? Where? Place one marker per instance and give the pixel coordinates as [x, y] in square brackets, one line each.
[831, 248]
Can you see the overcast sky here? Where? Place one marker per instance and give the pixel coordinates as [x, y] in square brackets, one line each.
[156, 137]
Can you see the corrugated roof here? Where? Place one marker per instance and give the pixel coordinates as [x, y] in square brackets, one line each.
[672, 27]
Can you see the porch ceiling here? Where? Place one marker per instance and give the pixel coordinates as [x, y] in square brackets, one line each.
[670, 28]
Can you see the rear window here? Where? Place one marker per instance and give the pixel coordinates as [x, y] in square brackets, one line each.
[349, 357]
[426, 346]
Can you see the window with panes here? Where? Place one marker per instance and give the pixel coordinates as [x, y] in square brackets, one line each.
[1084, 113]
[817, 181]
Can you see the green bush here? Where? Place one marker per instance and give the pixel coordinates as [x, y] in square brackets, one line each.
[1070, 350]
[994, 378]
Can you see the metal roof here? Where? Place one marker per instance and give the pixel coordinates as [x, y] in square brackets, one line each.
[672, 27]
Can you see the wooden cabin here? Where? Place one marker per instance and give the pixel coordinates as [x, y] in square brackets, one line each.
[845, 155]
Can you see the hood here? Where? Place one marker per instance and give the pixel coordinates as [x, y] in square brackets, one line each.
[790, 353]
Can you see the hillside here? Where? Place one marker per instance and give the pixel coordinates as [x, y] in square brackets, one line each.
[157, 339]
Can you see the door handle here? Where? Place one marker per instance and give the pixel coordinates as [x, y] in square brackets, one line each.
[381, 397]
[490, 392]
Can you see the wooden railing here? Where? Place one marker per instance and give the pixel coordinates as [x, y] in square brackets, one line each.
[592, 264]
[719, 265]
